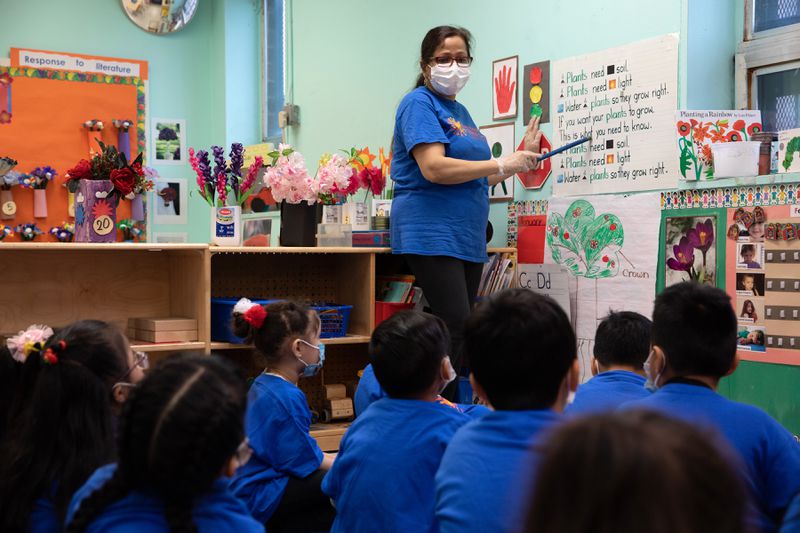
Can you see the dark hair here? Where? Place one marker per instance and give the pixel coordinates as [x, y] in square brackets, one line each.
[520, 346]
[695, 326]
[434, 39]
[62, 419]
[406, 352]
[284, 319]
[635, 471]
[10, 370]
[623, 338]
[747, 248]
[178, 429]
[759, 338]
[744, 308]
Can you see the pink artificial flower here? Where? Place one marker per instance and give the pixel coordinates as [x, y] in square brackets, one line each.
[222, 188]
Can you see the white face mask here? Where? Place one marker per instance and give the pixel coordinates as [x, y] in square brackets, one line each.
[652, 382]
[451, 374]
[449, 80]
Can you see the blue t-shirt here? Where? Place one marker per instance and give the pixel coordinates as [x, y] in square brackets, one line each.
[277, 422]
[770, 454]
[44, 518]
[486, 474]
[382, 479]
[432, 219]
[607, 391]
[368, 391]
[217, 510]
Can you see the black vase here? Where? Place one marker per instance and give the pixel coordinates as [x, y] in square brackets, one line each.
[299, 224]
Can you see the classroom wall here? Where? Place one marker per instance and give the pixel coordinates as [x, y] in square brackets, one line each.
[208, 73]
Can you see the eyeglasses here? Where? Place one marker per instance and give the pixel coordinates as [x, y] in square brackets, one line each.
[446, 61]
[244, 452]
[141, 360]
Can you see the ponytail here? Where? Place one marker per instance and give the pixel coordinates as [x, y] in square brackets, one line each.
[281, 320]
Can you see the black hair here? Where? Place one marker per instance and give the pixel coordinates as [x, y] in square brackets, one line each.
[434, 39]
[284, 319]
[623, 338]
[520, 346]
[670, 475]
[10, 370]
[747, 248]
[406, 352]
[62, 419]
[178, 429]
[695, 326]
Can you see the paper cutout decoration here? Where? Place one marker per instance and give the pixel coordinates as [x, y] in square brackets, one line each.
[5, 98]
[698, 130]
[504, 88]
[536, 92]
[501, 142]
[690, 251]
[535, 179]
[789, 151]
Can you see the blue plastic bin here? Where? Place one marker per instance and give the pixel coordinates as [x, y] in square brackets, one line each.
[334, 319]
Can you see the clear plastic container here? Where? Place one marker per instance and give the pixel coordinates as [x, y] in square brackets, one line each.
[330, 235]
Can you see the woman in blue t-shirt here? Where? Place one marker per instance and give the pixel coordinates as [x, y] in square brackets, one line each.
[442, 169]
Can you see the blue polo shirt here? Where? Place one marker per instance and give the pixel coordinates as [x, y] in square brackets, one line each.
[485, 478]
[382, 479]
[770, 454]
[432, 219]
[277, 423]
[217, 510]
[607, 391]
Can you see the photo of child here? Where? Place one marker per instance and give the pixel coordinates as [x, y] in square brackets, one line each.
[751, 338]
[751, 310]
[750, 284]
[751, 256]
[756, 232]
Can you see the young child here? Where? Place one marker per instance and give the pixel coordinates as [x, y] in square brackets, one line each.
[747, 283]
[621, 346]
[669, 474]
[751, 337]
[181, 429]
[281, 482]
[63, 422]
[694, 345]
[748, 253]
[522, 353]
[383, 477]
[749, 311]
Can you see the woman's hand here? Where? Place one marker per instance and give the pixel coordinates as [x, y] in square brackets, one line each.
[533, 136]
[520, 161]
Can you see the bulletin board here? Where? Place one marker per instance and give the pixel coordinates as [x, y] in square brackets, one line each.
[49, 108]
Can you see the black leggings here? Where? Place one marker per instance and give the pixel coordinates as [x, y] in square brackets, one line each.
[304, 508]
[450, 285]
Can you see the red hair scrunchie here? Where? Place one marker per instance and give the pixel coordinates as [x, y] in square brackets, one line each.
[255, 316]
[49, 356]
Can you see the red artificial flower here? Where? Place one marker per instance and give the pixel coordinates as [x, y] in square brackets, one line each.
[684, 128]
[81, 171]
[755, 127]
[5, 117]
[739, 125]
[377, 180]
[733, 136]
[137, 169]
[123, 180]
[255, 316]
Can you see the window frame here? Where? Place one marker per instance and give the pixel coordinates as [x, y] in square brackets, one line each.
[265, 94]
[776, 49]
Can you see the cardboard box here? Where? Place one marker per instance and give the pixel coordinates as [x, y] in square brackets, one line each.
[163, 324]
[166, 336]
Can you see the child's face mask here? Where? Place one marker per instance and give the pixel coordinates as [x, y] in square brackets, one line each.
[451, 374]
[312, 370]
[652, 382]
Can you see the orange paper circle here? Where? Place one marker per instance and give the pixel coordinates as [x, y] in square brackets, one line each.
[536, 94]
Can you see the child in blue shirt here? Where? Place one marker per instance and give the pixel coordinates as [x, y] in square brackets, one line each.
[281, 483]
[181, 429]
[621, 345]
[369, 391]
[522, 354]
[382, 479]
[694, 346]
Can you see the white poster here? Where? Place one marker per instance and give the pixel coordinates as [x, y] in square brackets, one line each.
[625, 98]
[551, 280]
[609, 246]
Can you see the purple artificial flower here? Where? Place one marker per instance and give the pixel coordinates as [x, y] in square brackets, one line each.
[702, 235]
[237, 158]
[204, 164]
[684, 256]
[219, 160]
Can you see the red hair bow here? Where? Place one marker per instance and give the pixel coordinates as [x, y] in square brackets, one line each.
[255, 316]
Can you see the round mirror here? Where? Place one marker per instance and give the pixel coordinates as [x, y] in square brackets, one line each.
[160, 16]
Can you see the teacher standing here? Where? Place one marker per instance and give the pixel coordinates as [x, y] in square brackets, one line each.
[442, 169]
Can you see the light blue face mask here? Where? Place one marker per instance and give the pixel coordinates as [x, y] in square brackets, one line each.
[313, 369]
[652, 382]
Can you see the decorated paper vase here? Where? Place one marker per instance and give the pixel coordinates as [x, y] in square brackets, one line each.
[95, 212]
[226, 226]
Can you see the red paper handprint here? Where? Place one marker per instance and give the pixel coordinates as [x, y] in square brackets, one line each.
[504, 90]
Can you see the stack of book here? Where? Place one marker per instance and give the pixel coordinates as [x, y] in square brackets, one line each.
[498, 274]
[397, 289]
